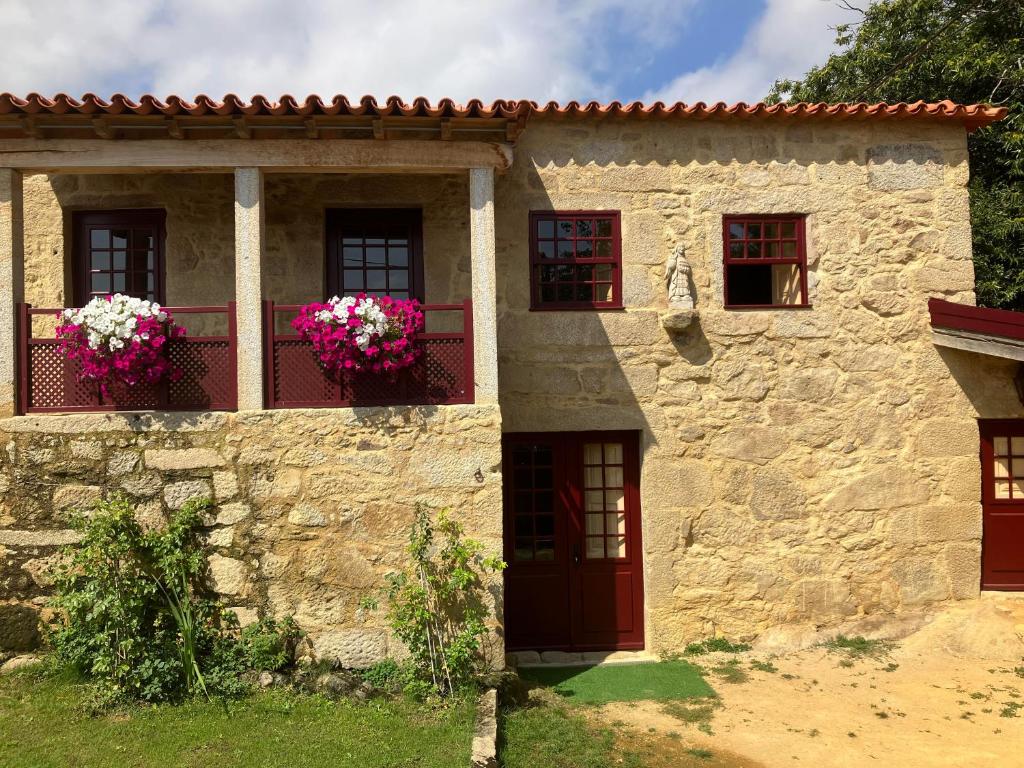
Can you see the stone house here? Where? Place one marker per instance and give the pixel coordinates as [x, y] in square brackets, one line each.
[678, 365]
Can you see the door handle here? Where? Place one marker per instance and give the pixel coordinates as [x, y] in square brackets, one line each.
[576, 554]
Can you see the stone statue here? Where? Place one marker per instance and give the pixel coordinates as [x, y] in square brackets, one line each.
[677, 276]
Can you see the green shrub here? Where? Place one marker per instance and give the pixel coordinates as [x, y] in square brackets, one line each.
[134, 616]
[713, 645]
[387, 674]
[269, 644]
[436, 605]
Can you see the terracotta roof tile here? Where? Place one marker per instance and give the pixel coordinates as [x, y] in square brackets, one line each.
[971, 115]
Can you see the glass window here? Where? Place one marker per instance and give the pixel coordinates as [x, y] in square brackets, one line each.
[576, 260]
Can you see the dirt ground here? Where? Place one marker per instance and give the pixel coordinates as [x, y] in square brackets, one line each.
[948, 692]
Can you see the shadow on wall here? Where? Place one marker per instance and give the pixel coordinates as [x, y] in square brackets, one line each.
[986, 381]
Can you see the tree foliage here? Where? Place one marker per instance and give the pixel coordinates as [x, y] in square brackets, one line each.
[968, 51]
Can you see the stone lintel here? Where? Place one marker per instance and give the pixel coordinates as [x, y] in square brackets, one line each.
[278, 155]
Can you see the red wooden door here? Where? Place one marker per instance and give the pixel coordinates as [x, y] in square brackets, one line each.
[572, 541]
[1002, 474]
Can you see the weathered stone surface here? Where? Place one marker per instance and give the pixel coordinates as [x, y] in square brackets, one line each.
[19, 662]
[19, 628]
[189, 458]
[229, 514]
[176, 495]
[76, 497]
[307, 515]
[229, 576]
[352, 648]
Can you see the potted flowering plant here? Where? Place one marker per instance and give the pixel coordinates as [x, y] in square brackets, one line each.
[119, 340]
[362, 333]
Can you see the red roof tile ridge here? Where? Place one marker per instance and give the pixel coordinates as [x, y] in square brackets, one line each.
[973, 115]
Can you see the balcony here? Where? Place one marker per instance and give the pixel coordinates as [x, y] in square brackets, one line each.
[443, 374]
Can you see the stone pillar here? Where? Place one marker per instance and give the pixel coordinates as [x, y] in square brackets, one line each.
[249, 286]
[485, 313]
[12, 283]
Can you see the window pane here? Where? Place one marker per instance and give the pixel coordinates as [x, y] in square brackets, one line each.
[615, 500]
[524, 525]
[1001, 446]
[543, 501]
[595, 548]
[617, 547]
[99, 238]
[544, 525]
[603, 272]
[524, 549]
[547, 293]
[753, 230]
[753, 250]
[771, 250]
[546, 249]
[789, 250]
[100, 282]
[120, 260]
[1002, 489]
[736, 231]
[595, 524]
[376, 280]
[101, 259]
[735, 250]
[398, 278]
[1017, 446]
[353, 280]
[584, 228]
[1017, 468]
[594, 501]
[120, 286]
[119, 238]
[603, 248]
[592, 453]
[543, 477]
[1002, 467]
[545, 228]
[375, 257]
[786, 288]
[545, 549]
[565, 249]
[603, 228]
[592, 477]
[565, 293]
[613, 477]
[584, 249]
[352, 256]
[613, 453]
[789, 229]
[565, 228]
[398, 256]
[603, 292]
[584, 292]
[771, 231]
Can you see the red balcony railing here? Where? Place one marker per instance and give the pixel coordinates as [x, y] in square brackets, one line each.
[49, 381]
[443, 375]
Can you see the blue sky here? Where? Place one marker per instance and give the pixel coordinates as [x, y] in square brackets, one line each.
[690, 50]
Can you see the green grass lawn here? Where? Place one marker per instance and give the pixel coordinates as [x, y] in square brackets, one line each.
[664, 681]
[43, 724]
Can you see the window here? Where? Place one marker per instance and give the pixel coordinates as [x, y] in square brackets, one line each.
[118, 252]
[765, 261]
[1008, 468]
[575, 260]
[605, 500]
[375, 250]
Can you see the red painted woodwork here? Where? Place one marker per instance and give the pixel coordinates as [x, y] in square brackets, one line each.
[120, 251]
[756, 242]
[48, 381]
[1002, 475]
[560, 595]
[443, 375]
[961, 317]
[575, 260]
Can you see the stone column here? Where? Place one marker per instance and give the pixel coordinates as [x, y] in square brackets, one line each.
[485, 313]
[12, 283]
[249, 286]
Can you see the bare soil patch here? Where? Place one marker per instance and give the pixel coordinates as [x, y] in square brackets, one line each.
[950, 693]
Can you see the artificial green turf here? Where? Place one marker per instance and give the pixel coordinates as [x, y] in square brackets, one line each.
[43, 725]
[552, 737]
[664, 681]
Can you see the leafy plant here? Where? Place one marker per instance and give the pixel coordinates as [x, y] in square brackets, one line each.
[858, 647]
[133, 615]
[714, 645]
[269, 644]
[436, 605]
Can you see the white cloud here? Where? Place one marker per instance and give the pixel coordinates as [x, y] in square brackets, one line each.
[789, 38]
[538, 49]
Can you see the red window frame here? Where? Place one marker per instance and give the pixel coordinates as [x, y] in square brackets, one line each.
[574, 267]
[757, 246]
[134, 221]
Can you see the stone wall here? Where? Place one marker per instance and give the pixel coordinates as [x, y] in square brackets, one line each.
[313, 507]
[804, 466]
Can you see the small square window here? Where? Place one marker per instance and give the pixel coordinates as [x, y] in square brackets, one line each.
[765, 261]
[576, 260]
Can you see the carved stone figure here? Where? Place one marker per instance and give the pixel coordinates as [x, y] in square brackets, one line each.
[677, 277]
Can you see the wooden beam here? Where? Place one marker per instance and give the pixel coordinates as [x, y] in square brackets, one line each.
[378, 128]
[446, 129]
[242, 128]
[102, 128]
[174, 129]
[30, 126]
[273, 155]
[312, 130]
